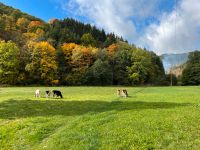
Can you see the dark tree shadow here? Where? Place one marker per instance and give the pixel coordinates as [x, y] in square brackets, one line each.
[12, 109]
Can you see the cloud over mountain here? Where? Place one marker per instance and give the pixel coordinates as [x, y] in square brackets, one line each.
[178, 31]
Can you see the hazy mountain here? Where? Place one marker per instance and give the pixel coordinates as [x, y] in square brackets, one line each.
[172, 60]
[177, 70]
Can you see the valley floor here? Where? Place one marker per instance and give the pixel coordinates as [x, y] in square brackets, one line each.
[96, 118]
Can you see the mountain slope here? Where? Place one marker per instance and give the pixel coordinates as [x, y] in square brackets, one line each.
[16, 13]
[14, 23]
[172, 60]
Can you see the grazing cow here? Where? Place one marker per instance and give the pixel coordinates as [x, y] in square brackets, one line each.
[57, 93]
[123, 93]
[119, 92]
[48, 93]
[37, 93]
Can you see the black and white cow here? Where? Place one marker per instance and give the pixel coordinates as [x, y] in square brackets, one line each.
[47, 93]
[57, 93]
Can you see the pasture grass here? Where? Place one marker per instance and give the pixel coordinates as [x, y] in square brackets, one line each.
[94, 118]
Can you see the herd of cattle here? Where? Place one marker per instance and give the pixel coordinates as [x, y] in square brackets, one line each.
[57, 93]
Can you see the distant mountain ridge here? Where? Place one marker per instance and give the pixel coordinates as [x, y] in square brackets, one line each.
[172, 60]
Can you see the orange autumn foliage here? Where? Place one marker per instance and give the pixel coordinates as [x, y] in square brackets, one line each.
[78, 55]
[66, 47]
[112, 49]
[47, 55]
[22, 23]
[35, 24]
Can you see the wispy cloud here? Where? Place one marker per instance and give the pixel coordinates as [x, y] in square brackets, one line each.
[113, 15]
[177, 31]
[144, 22]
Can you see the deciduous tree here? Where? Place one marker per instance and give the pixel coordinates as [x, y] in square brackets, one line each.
[43, 64]
[9, 62]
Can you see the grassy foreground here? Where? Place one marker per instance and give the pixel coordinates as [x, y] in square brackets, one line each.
[90, 118]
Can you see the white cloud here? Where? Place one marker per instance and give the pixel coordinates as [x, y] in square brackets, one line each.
[113, 15]
[174, 32]
[177, 32]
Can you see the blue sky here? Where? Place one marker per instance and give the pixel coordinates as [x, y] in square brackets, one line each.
[44, 9]
[164, 26]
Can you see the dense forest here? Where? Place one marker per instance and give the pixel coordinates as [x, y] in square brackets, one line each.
[191, 72]
[68, 52]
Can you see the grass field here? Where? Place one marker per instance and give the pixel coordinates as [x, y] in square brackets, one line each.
[90, 118]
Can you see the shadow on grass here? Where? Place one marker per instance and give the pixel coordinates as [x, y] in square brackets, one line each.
[32, 108]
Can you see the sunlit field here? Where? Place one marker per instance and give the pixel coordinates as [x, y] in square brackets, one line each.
[96, 118]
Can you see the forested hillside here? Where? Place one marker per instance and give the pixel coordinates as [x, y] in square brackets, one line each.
[68, 52]
[191, 72]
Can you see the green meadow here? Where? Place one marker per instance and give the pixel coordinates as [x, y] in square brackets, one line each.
[95, 118]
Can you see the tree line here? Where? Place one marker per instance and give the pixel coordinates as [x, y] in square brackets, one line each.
[73, 64]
